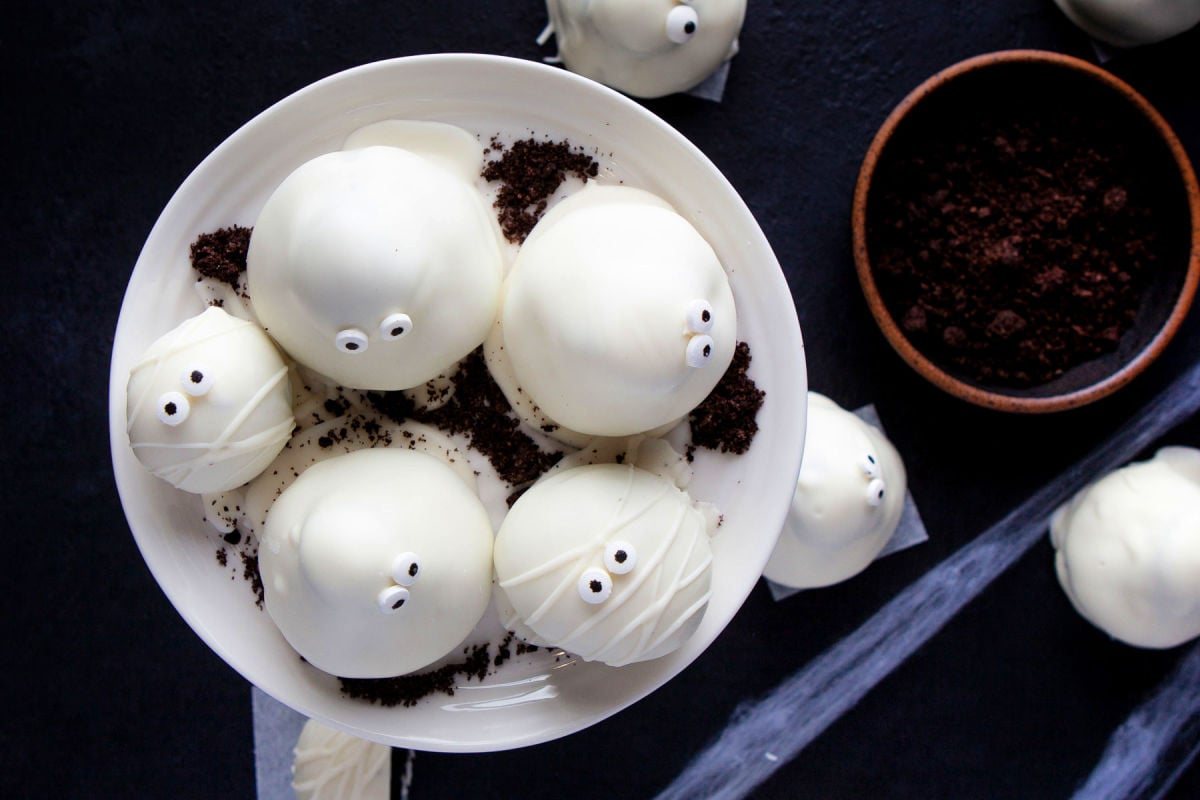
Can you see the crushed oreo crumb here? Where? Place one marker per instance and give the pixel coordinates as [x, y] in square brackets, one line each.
[407, 690]
[479, 410]
[529, 171]
[221, 255]
[725, 421]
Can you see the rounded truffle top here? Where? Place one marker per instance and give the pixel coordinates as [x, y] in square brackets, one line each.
[209, 405]
[848, 500]
[646, 48]
[1128, 23]
[1128, 550]
[375, 266]
[376, 563]
[617, 316]
[610, 562]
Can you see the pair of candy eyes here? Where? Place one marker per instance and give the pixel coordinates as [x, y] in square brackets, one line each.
[876, 487]
[682, 23]
[354, 340]
[595, 584]
[406, 568]
[700, 345]
[174, 407]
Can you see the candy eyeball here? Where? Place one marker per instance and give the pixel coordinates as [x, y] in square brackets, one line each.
[392, 599]
[875, 492]
[619, 557]
[395, 326]
[870, 466]
[173, 408]
[699, 316]
[595, 585]
[405, 569]
[699, 350]
[196, 380]
[351, 340]
[682, 22]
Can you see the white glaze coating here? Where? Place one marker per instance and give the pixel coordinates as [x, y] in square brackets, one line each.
[352, 238]
[1129, 23]
[330, 543]
[640, 47]
[1128, 550]
[560, 528]
[838, 522]
[594, 313]
[232, 430]
[332, 765]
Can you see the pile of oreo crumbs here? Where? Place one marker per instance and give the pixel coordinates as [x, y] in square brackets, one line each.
[221, 255]
[529, 172]
[725, 421]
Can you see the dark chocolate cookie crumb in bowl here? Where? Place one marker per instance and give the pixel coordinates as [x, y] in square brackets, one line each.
[1025, 231]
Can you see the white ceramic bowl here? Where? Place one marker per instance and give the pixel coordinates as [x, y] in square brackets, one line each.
[526, 700]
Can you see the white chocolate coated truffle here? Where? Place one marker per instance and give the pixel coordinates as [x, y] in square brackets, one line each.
[555, 547]
[340, 545]
[847, 504]
[332, 765]
[1128, 23]
[646, 48]
[209, 405]
[1128, 550]
[375, 266]
[617, 316]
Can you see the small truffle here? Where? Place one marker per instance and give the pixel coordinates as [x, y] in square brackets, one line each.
[1127, 550]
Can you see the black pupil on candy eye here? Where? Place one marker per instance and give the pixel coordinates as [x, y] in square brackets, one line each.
[197, 376]
[351, 346]
[595, 586]
[397, 331]
[707, 350]
[690, 27]
[170, 408]
[398, 603]
[705, 316]
[871, 459]
[413, 569]
[620, 556]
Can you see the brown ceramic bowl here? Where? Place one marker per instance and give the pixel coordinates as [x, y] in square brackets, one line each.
[999, 88]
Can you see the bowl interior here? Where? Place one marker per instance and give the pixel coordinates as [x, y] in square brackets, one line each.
[526, 700]
[1021, 87]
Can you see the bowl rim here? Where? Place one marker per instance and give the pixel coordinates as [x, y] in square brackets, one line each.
[891, 330]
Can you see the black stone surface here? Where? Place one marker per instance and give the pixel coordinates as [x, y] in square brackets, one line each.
[107, 693]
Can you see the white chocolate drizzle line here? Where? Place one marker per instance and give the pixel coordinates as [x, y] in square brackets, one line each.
[764, 735]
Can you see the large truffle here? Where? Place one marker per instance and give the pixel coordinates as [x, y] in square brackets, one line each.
[377, 266]
[617, 316]
[376, 563]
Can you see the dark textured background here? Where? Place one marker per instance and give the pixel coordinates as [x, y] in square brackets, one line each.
[107, 693]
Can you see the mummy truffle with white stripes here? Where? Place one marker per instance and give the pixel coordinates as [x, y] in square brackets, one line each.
[209, 405]
[1127, 550]
[847, 503]
[609, 562]
[379, 266]
[332, 765]
[616, 318]
[376, 563]
[646, 48]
